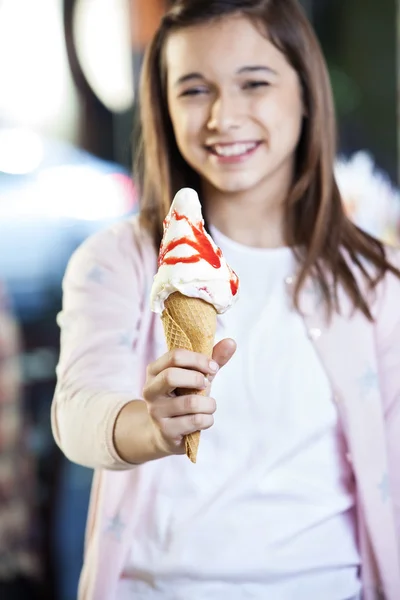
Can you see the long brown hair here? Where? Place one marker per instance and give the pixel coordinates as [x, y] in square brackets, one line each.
[315, 219]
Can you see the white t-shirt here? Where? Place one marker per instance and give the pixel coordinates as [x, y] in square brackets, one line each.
[268, 510]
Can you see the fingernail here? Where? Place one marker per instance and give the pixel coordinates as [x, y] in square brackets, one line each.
[213, 366]
[206, 382]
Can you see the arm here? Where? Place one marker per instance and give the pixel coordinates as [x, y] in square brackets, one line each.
[142, 447]
[97, 417]
[97, 374]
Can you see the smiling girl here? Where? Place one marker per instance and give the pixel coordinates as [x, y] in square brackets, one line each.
[296, 492]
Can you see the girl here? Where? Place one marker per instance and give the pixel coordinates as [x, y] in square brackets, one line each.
[296, 493]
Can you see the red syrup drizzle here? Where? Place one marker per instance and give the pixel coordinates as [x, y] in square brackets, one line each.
[234, 283]
[201, 244]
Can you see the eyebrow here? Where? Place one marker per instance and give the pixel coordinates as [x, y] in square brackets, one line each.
[246, 69]
[188, 77]
[254, 68]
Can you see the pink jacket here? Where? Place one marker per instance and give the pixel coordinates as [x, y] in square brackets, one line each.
[108, 337]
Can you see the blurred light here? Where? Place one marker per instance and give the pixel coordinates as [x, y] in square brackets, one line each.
[103, 43]
[36, 85]
[70, 192]
[21, 151]
[39, 364]
[369, 197]
[81, 193]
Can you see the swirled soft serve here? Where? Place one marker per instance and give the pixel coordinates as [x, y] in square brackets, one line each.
[189, 260]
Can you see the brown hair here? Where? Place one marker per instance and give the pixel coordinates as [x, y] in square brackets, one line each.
[315, 219]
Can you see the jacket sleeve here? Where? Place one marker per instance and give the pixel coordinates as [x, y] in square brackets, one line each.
[388, 351]
[97, 372]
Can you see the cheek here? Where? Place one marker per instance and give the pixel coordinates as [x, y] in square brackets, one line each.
[180, 124]
[177, 120]
[176, 123]
[292, 107]
[187, 126]
[285, 121]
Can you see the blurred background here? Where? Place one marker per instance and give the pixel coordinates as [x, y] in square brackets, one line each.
[69, 72]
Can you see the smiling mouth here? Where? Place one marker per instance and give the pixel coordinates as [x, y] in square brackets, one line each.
[233, 150]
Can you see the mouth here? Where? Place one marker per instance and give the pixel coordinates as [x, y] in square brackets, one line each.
[234, 150]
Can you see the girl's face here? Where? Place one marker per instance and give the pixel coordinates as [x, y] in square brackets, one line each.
[235, 104]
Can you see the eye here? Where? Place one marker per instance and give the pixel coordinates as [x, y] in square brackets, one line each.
[255, 84]
[198, 91]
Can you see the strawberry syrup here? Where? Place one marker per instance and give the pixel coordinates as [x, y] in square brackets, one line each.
[201, 244]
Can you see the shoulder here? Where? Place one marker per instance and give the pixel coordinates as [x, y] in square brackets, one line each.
[111, 272]
[387, 305]
[390, 284]
[393, 255]
[124, 244]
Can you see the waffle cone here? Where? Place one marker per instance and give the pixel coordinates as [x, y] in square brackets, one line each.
[189, 323]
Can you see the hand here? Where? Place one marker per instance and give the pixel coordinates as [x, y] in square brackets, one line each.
[175, 416]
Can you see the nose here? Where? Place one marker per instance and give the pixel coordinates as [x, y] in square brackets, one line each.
[224, 114]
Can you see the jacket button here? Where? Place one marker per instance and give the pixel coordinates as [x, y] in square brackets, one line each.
[315, 333]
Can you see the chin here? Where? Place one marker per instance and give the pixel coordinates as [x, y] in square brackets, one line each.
[234, 185]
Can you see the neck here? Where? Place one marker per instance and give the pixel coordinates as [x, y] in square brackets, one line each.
[252, 218]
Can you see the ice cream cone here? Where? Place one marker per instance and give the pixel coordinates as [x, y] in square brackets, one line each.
[189, 323]
[193, 284]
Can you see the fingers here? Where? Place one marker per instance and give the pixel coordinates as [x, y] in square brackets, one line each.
[172, 378]
[180, 426]
[186, 369]
[183, 359]
[223, 351]
[175, 416]
[182, 405]
[178, 416]
[222, 354]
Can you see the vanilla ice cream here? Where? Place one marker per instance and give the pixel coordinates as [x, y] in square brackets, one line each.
[189, 261]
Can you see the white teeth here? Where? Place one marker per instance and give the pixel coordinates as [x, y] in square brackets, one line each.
[233, 149]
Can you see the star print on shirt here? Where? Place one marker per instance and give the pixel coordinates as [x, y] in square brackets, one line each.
[115, 528]
[96, 274]
[368, 382]
[384, 488]
[126, 339]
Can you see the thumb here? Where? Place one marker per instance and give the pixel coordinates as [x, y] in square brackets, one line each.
[223, 352]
